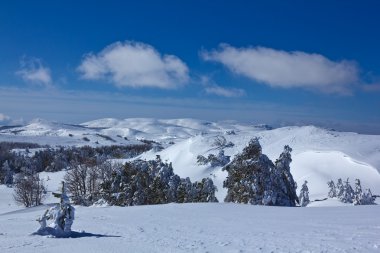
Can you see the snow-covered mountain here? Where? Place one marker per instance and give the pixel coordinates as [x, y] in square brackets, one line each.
[318, 154]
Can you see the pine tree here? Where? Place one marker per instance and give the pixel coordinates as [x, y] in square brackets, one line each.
[348, 193]
[7, 173]
[339, 188]
[288, 195]
[332, 191]
[368, 198]
[358, 193]
[304, 195]
[253, 178]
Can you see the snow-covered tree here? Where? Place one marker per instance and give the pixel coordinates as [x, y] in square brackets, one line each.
[7, 174]
[287, 185]
[29, 189]
[214, 160]
[339, 188]
[253, 178]
[154, 182]
[332, 189]
[304, 195]
[348, 193]
[61, 215]
[368, 198]
[358, 193]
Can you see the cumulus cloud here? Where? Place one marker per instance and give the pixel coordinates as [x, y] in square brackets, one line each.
[283, 69]
[33, 71]
[134, 64]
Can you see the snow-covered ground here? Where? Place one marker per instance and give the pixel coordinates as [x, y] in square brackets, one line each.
[201, 228]
[318, 155]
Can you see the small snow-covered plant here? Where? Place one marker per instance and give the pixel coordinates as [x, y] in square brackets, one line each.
[220, 142]
[304, 195]
[214, 160]
[61, 216]
[201, 160]
[332, 190]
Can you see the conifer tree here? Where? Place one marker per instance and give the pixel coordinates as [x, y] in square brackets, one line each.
[253, 178]
[288, 195]
[368, 198]
[332, 189]
[304, 195]
[358, 193]
[348, 193]
[339, 188]
[7, 174]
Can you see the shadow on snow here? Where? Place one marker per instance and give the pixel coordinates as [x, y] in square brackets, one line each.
[72, 234]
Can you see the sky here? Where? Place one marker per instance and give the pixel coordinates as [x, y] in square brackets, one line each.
[273, 62]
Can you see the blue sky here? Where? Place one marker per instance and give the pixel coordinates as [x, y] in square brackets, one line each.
[274, 62]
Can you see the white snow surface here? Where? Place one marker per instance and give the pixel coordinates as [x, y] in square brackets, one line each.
[200, 228]
[318, 156]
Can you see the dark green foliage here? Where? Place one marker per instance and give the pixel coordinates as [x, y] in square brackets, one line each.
[254, 179]
[154, 182]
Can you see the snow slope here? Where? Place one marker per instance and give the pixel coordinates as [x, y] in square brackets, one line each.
[318, 154]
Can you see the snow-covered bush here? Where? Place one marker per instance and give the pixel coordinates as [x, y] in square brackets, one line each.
[61, 216]
[368, 198]
[214, 160]
[220, 142]
[253, 178]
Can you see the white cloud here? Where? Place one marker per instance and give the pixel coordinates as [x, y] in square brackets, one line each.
[6, 120]
[134, 64]
[33, 71]
[224, 92]
[279, 68]
[4, 117]
[210, 87]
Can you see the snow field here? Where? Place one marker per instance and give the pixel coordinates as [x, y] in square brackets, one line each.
[201, 228]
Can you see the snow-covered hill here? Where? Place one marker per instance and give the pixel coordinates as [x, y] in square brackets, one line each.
[318, 154]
